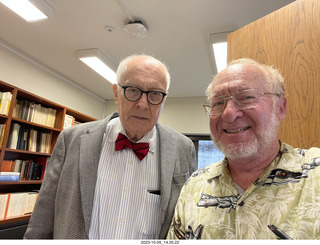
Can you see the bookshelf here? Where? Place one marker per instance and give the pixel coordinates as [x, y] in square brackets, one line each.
[48, 129]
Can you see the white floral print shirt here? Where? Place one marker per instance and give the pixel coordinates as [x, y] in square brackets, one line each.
[285, 198]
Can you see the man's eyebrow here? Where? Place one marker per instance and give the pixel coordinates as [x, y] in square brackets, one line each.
[150, 89]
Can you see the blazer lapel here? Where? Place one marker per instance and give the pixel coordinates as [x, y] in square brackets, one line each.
[167, 163]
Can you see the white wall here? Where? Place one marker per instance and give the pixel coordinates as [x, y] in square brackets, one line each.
[186, 115]
[23, 74]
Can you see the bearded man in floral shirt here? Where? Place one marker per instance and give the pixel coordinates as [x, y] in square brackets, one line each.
[263, 188]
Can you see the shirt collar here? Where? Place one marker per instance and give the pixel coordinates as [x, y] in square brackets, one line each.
[221, 168]
[217, 169]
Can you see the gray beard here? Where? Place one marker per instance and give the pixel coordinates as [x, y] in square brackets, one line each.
[250, 149]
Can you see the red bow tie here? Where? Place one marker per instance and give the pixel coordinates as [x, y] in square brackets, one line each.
[140, 149]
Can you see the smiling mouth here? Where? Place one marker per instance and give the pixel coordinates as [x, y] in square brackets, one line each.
[234, 131]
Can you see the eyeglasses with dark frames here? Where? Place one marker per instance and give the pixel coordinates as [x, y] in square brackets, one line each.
[243, 100]
[133, 94]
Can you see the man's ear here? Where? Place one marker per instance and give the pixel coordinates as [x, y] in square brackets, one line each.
[115, 92]
[282, 107]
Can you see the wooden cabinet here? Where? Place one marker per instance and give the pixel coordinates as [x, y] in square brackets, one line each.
[12, 118]
[288, 39]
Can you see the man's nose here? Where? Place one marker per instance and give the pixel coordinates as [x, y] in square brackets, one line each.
[231, 111]
[143, 101]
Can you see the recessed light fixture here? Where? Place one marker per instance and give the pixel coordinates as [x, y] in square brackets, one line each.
[30, 10]
[218, 42]
[98, 62]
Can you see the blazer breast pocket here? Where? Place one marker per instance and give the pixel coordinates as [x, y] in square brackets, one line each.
[180, 179]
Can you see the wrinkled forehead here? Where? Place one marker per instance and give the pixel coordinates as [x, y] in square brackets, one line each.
[238, 77]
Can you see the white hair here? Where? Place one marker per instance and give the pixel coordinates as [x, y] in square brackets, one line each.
[122, 68]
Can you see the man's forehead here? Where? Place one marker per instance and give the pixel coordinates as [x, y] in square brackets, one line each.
[239, 71]
[145, 77]
[235, 68]
[145, 64]
[239, 76]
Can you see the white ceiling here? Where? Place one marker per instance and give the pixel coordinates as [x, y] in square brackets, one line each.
[179, 33]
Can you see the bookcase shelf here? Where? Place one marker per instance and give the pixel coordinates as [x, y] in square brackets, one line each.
[15, 219]
[20, 186]
[34, 125]
[22, 182]
[12, 154]
[14, 118]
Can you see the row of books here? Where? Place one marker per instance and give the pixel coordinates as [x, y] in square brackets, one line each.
[5, 102]
[16, 170]
[33, 112]
[17, 204]
[22, 137]
[2, 129]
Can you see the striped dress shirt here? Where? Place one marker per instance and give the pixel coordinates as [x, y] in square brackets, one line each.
[126, 203]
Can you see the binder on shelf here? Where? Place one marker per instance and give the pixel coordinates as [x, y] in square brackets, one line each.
[9, 176]
[2, 130]
[68, 121]
[13, 136]
[17, 110]
[5, 103]
[51, 117]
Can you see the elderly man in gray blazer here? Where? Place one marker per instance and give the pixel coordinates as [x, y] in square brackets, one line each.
[120, 177]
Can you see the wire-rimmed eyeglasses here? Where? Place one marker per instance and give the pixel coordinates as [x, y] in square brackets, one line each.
[243, 100]
[133, 94]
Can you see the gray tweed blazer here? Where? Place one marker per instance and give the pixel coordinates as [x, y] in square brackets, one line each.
[64, 205]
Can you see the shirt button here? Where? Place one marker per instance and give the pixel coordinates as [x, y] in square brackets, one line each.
[126, 190]
[130, 162]
[121, 220]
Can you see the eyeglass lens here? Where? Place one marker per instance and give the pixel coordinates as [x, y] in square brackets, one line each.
[134, 94]
[243, 100]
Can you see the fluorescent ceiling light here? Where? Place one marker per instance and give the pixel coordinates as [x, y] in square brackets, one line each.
[218, 43]
[220, 55]
[30, 10]
[98, 62]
